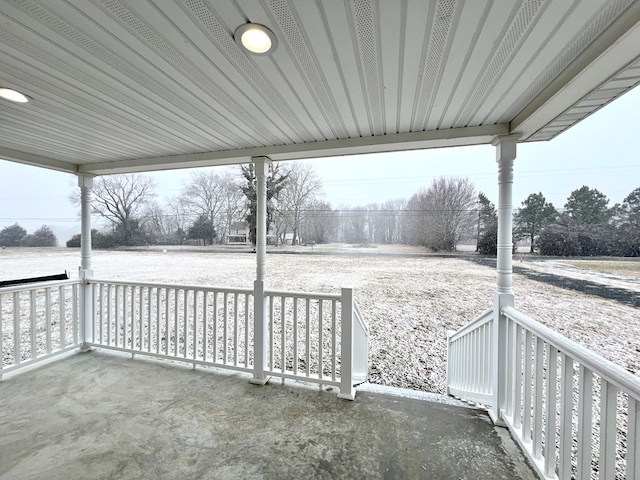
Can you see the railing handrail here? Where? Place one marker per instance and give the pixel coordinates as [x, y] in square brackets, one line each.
[310, 295]
[203, 288]
[25, 287]
[208, 288]
[604, 368]
[480, 320]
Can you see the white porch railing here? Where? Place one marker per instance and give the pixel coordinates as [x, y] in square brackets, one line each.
[37, 321]
[469, 360]
[196, 324]
[304, 336]
[360, 360]
[214, 326]
[575, 414]
[311, 336]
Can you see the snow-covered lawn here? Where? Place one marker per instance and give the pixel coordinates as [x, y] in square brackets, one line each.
[409, 299]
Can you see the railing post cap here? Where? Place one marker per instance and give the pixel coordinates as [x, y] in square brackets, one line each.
[85, 274]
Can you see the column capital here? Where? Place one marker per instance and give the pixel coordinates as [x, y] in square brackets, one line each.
[512, 137]
[261, 159]
[505, 147]
[85, 180]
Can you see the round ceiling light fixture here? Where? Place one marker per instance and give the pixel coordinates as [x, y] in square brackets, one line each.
[13, 95]
[255, 39]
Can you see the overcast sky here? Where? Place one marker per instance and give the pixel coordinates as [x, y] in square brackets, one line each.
[601, 152]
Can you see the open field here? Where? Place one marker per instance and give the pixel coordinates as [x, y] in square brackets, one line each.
[409, 298]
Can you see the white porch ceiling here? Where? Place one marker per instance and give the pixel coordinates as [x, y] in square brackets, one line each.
[122, 86]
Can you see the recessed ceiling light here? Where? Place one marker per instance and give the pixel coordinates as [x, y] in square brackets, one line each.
[13, 95]
[255, 39]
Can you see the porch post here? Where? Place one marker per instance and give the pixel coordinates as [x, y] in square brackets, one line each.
[505, 155]
[260, 284]
[85, 182]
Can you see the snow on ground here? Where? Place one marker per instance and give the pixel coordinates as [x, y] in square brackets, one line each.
[627, 270]
[410, 299]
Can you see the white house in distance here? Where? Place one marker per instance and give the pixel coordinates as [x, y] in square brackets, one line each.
[238, 234]
[102, 87]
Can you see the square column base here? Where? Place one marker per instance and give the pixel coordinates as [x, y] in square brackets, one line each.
[259, 381]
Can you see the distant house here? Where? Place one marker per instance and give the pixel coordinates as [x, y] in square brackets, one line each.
[238, 234]
[288, 239]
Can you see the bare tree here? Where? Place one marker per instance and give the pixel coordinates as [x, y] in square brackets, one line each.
[353, 224]
[388, 222]
[203, 193]
[177, 219]
[373, 223]
[442, 214]
[234, 208]
[279, 222]
[301, 189]
[155, 221]
[413, 220]
[120, 199]
[321, 222]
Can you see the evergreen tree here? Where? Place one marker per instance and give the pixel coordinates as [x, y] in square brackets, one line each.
[588, 206]
[203, 229]
[630, 209]
[12, 236]
[535, 214]
[487, 225]
[627, 221]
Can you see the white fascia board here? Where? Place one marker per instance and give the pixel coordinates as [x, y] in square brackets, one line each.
[454, 137]
[615, 49]
[37, 160]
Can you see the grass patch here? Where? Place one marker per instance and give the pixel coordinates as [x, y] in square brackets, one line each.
[625, 268]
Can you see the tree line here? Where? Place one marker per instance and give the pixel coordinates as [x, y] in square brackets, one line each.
[447, 213]
[205, 211]
[16, 236]
[587, 226]
[441, 216]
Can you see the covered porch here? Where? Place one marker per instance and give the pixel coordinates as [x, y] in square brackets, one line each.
[111, 87]
[109, 416]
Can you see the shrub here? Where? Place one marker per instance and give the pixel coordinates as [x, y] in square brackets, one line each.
[43, 237]
[555, 240]
[12, 236]
[488, 241]
[577, 240]
[74, 242]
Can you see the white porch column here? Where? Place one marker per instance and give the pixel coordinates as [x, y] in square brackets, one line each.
[260, 284]
[505, 155]
[85, 182]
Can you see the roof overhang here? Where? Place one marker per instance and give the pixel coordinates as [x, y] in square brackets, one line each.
[160, 84]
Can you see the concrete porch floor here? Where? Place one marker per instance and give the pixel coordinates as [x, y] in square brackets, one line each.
[100, 416]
